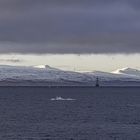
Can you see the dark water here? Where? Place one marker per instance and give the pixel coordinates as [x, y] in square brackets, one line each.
[27, 113]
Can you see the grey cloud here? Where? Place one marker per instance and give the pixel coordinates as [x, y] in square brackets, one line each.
[11, 60]
[100, 43]
[69, 26]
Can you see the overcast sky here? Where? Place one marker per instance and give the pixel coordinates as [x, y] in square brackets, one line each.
[69, 26]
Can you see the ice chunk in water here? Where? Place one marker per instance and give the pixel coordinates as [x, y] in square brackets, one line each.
[61, 99]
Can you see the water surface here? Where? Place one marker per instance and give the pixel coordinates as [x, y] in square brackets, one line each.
[28, 113]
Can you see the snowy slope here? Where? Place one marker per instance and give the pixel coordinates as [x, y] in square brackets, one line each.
[49, 75]
[43, 73]
[116, 75]
[128, 72]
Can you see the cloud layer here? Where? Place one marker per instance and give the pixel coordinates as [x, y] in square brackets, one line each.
[69, 26]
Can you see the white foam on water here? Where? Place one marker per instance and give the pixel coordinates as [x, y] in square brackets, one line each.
[61, 99]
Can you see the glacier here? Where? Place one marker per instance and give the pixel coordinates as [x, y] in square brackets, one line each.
[44, 75]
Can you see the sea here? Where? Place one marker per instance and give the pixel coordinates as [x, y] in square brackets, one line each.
[69, 113]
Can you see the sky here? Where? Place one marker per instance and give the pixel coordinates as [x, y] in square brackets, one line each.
[97, 30]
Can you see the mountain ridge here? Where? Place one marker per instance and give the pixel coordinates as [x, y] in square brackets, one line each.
[44, 74]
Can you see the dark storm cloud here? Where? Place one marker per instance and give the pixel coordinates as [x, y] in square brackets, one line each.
[69, 26]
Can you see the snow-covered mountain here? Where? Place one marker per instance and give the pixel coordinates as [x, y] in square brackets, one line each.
[41, 75]
[46, 75]
[128, 71]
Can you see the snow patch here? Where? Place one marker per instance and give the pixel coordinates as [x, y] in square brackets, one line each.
[46, 67]
[128, 71]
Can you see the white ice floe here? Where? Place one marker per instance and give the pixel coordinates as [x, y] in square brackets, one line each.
[61, 99]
